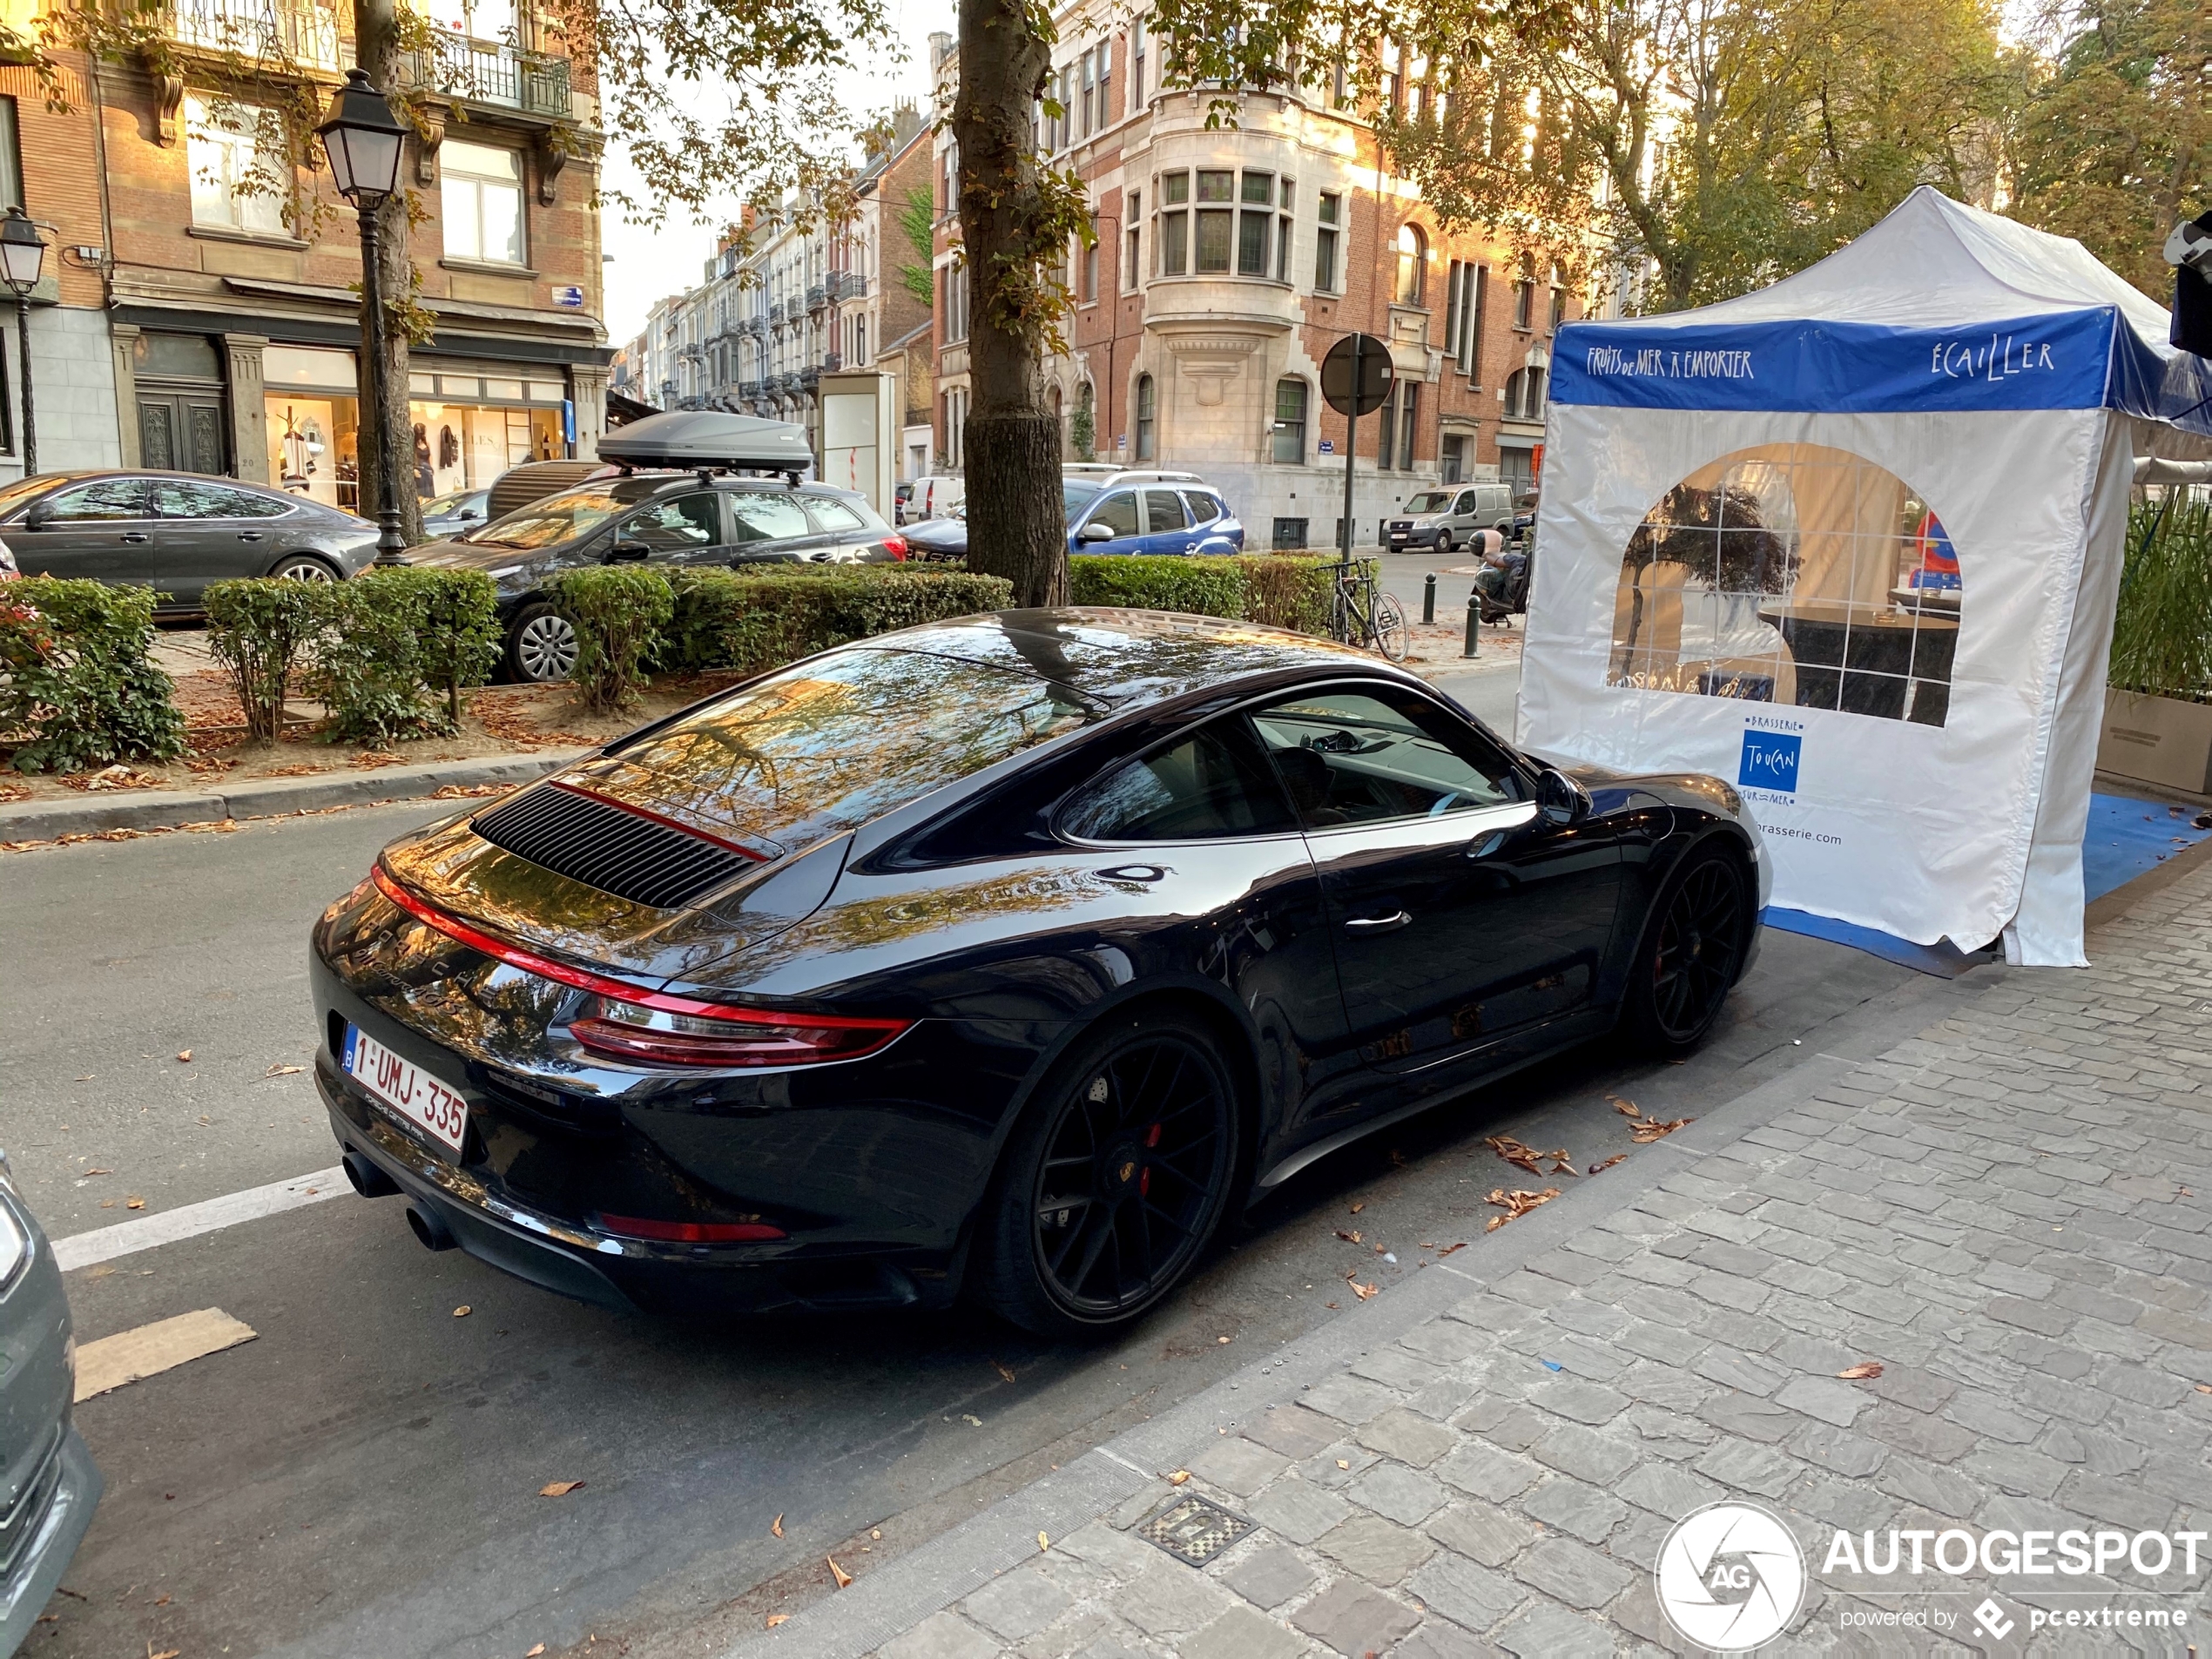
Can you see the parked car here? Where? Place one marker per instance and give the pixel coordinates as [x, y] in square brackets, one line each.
[455, 511]
[664, 520]
[1003, 956]
[48, 1484]
[1449, 517]
[902, 503]
[1120, 512]
[935, 496]
[175, 532]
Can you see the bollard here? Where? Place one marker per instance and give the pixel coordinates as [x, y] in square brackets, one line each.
[1428, 597]
[1475, 623]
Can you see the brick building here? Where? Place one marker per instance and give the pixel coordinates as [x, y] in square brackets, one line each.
[1228, 261]
[200, 326]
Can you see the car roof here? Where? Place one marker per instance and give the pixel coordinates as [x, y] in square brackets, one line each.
[1126, 658]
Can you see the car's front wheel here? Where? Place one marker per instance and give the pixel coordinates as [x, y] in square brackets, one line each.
[1693, 947]
[1443, 541]
[541, 645]
[1115, 1180]
[304, 567]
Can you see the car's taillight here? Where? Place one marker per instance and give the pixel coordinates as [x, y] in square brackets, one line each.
[895, 546]
[692, 1232]
[629, 1023]
[700, 1034]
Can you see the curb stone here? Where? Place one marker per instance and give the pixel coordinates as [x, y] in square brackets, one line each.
[140, 809]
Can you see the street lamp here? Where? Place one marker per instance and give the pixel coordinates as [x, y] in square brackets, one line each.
[22, 252]
[363, 138]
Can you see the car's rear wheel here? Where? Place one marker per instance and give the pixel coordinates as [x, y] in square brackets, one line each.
[1115, 1180]
[1692, 950]
[541, 645]
[304, 567]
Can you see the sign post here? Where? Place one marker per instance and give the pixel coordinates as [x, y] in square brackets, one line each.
[1356, 379]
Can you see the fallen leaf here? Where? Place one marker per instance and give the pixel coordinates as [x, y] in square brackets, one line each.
[93, 1172]
[1517, 1203]
[1864, 1370]
[1223, 1340]
[558, 1488]
[876, 1533]
[1349, 1238]
[171, 1653]
[534, 1652]
[1043, 1542]
[1357, 1208]
[1448, 1249]
[462, 1312]
[1344, 1463]
[1647, 1129]
[2204, 1388]
[1178, 1477]
[183, 1053]
[1004, 1369]
[1363, 1291]
[134, 1203]
[161, 1600]
[1608, 1163]
[1328, 1304]
[282, 1071]
[838, 1573]
[1626, 1108]
[775, 1619]
[776, 1527]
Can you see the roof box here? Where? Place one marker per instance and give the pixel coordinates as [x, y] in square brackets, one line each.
[690, 438]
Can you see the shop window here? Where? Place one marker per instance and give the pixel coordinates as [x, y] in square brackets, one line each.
[1174, 223]
[1288, 441]
[481, 191]
[1326, 211]
[1412, 265]
[1750, 577]
[240, 180]
[1215, 226]
[1147, 414]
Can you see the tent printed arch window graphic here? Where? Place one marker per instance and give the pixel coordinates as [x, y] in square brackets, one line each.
[1791, 573]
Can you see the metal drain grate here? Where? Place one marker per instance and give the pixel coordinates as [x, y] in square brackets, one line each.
[1194, 1529]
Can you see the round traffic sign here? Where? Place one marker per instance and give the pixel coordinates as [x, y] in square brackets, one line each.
[1355, 375]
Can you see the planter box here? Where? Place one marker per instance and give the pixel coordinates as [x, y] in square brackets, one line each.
[2159, 740]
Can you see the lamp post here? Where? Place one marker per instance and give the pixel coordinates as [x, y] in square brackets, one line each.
[22, 252]
[363, 138]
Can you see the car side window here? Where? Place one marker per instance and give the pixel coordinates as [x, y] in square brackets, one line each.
[1117, 513]
[1162, 511]
[834, 515]
[1466, 504]
[173, 498]
[1210, 785]
[1371, 756]
[678, 522]
[109, 498]
[763, 516]
[1204, 508]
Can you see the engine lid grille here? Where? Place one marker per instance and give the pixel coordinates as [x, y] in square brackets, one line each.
[615, 849]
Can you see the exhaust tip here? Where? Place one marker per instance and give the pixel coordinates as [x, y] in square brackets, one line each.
[367, 1179]
[429, 1228]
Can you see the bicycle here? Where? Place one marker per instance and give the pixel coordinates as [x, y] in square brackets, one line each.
[1361, 615]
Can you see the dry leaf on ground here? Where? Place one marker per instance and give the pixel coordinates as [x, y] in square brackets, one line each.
[1357, 1208]
[1626, 1108]
[282, 1071]
[1003, 1369]
[183, 1053]
[776, 1527]
[1517, 1203]
[1522, 1155]
[1608, 1163]
[1864, 1370]
[838, 1573]
[134, 1203]
[1448, 1249]
[462, 1312]
[1177, 1477]
[1349, 1238]
[534, 1652]
[1043, 1542]
[558, 1488]
[1363, 1291]
[1647, 1129]
[90, 1173]
[775, 1619]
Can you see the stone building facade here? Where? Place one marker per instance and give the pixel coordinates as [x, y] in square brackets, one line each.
[1228, 259]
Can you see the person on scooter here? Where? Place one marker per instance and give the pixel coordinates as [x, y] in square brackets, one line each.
[1500, 570]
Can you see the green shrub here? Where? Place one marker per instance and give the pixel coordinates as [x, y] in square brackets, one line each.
[2161, 634]
[619, 612]
[400, 644]
[77, 687]
[761, 619]
[1284, 590]
[263, 631]
[1198, 587]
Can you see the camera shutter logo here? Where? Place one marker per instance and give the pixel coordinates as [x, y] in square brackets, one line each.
[1730, 1577]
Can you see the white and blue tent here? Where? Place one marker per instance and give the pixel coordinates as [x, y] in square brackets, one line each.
[1853, 544]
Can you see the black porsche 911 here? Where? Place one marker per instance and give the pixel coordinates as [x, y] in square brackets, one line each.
[1006, 955]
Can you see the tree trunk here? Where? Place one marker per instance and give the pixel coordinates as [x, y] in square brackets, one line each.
[1016, 524]
[376, 27]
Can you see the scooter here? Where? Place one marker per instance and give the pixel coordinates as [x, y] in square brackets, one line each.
[1516, 600]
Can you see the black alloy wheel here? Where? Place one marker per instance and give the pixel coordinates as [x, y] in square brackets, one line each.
[1115, 1183]
[1692, 951]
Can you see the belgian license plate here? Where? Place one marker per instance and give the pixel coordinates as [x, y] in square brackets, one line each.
[398, 1084]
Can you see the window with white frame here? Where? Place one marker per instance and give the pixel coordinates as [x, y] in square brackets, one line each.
[1137, 42]
[240, 180]
[1134, 240]
[481, 189]
[1328, 211]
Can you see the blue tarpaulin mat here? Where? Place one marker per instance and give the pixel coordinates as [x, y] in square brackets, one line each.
[2126, 838]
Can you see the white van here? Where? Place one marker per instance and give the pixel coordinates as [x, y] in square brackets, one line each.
[1447, 516]
[935, 496]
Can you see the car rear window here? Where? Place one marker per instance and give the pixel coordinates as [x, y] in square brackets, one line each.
[834, 515]
[827, 745]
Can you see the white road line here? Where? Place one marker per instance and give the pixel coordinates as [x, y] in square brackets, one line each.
[105, 1244]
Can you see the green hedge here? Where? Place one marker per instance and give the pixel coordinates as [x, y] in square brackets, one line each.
[79, 687]
[1283, 592]
[756, 620]
[619, 613]
[399, 646]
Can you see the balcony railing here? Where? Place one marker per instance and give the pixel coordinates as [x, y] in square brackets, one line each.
[303, 32]
[489, 72]
[816, 297]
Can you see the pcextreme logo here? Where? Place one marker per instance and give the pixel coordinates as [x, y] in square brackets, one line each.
[1730, 1577]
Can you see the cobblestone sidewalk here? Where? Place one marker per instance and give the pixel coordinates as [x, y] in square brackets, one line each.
[2002, 1211]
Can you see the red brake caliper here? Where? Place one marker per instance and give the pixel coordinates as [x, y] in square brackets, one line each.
[1144, 1180]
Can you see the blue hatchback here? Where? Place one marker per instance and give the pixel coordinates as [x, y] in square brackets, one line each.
[1120, 512]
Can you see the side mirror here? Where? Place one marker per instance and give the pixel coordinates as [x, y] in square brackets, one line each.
[628, 552]
[1561, 799]
[1095, 531]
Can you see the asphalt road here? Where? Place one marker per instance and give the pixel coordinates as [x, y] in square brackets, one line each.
[363, 1477]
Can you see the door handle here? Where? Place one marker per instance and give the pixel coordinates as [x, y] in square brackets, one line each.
[134, 536]
[1483, 846]
[1378, 924]
[249, 536]
[1144, 874]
